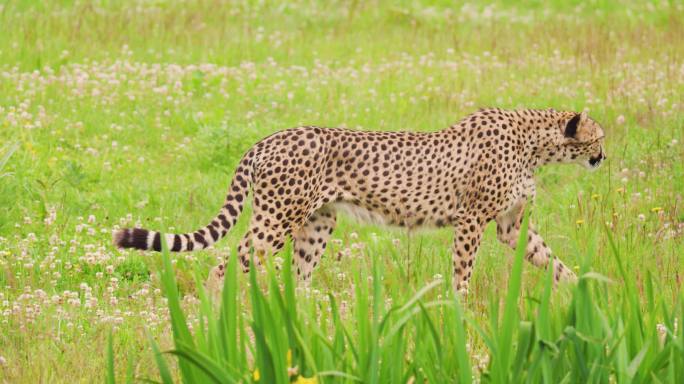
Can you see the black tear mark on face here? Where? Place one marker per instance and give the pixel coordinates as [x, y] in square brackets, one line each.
[571, 127]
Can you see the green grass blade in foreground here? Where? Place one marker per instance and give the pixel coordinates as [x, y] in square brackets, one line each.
[284, 306]
[279, 326]
[111, 376]
[205, 333]
[340, 375]
[181, 333]
[228, 318]
[267, 359]
[163, 367]
[338, 342]
[524, 347]
[5, 155]
[212, 371]
[375, 326]
[421, 292]
[543, 328]
[501, 361]
[465, 373]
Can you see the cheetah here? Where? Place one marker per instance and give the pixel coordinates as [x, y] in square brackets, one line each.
[475, 171]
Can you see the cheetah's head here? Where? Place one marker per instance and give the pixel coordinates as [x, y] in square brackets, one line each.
[583, 141]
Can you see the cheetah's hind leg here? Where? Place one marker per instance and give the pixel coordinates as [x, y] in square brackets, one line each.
[310, 241]
[264, 238]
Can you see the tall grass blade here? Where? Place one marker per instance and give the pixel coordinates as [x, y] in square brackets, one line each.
[267, 359]
[213, 372]
[229, 313]
[181, 333]
[111, 376]
[465, 374]
[8, 151]
[163, 367]
[502, 360]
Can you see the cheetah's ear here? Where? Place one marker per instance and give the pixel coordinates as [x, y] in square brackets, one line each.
[573, 124]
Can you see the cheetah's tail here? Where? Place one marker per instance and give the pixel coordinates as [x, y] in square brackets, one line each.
[144, 239]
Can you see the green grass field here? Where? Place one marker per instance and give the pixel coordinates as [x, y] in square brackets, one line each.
[115, 114]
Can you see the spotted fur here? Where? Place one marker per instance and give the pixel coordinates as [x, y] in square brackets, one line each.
[464, 176]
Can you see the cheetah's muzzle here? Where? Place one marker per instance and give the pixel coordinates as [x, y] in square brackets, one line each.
[595, 161]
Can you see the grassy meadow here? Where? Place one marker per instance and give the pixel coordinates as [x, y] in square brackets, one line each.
[117, 114]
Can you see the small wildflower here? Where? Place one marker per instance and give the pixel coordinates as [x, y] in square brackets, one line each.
[662, 332]
[255, 375]
[661, 328]
[306, 380]
[579, 222]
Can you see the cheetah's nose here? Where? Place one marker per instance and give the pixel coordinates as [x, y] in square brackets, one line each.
[595, 161]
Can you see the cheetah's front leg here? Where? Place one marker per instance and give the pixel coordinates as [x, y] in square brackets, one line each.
[467, 236]
[537, 252]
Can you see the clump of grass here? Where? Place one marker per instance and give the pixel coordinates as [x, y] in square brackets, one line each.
[286, 338]
[5, 153]
[284, 341]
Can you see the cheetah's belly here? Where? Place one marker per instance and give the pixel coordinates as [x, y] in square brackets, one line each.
[364, 215]
[361, 214]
